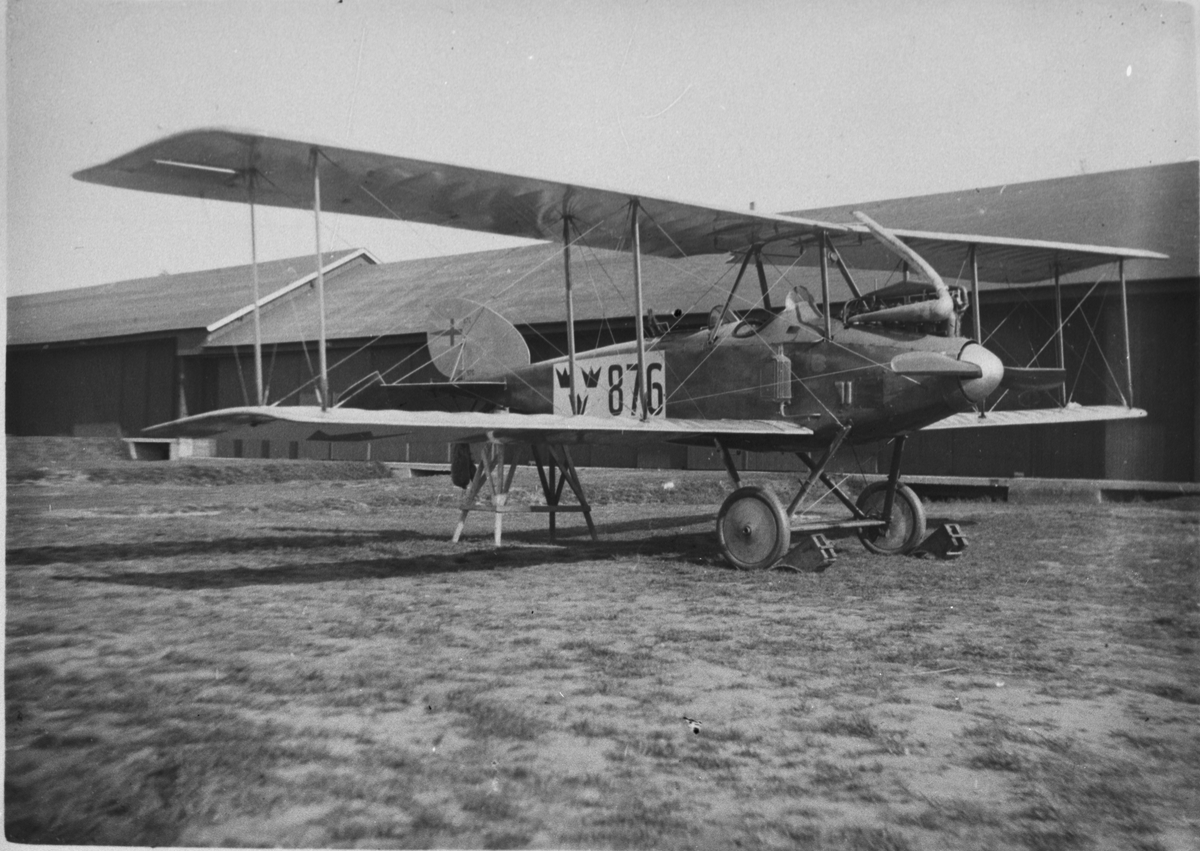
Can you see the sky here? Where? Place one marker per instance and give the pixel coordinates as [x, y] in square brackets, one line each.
[790, 105]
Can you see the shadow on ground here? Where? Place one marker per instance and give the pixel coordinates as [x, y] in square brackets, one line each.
[666, 539]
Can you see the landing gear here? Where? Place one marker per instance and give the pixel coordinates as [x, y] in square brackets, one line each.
[756, 532]
[905, 527]
[753, 530]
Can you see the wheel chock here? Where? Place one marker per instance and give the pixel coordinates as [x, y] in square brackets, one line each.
[946, 541]
[812, 555]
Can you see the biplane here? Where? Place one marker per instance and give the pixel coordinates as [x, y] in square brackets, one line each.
[791, 377]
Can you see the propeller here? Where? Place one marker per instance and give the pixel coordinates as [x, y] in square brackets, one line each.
[934, 363]
[939, 309]
[1032, 378]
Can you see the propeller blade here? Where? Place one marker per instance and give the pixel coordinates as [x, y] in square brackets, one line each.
[1032, 378]
[940, 309]
[932, 310]
[934, 363]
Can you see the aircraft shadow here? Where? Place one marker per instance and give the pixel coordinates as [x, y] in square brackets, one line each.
[286, 537]
[573, 526]
[933, 522]
[702, 549]
[295, 539]
[665, 540]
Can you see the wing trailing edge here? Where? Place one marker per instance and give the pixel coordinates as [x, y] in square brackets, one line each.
[1039, 416]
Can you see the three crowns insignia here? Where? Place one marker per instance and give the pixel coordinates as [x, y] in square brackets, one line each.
[591, 378]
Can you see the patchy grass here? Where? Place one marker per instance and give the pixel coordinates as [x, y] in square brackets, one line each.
[227, 661]
[858, 725]
[491, 719]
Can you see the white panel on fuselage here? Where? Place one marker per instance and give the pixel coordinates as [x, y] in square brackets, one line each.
[607, 386]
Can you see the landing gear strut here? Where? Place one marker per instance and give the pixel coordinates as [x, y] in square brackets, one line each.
[905, 528]
[897, 506]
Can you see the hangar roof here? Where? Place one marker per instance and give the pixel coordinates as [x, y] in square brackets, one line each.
[191, 300]
[1153, 207]
[524, 284]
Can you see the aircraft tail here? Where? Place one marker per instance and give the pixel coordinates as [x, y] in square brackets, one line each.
[473, 342]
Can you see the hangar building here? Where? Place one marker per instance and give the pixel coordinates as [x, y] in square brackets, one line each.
[122, 356]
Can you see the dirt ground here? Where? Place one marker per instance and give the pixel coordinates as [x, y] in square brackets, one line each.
[198, 657]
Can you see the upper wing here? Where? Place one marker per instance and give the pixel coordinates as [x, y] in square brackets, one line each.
[303, 422]
[216, 164]
[1040, 416]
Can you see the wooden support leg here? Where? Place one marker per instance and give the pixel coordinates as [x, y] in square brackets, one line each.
[499, 491]
[481, 474]
[490, 470]
[571, 476]
[546, 474]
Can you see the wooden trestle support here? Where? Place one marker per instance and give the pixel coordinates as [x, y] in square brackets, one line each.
[555, 471]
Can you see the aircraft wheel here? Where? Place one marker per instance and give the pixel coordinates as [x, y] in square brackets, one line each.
[462, 468]
[907, 528]
[753, 530]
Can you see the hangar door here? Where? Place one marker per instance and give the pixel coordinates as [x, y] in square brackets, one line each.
[54, 391]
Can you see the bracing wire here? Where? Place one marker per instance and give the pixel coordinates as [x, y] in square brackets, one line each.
[237, 360]
[379, 336]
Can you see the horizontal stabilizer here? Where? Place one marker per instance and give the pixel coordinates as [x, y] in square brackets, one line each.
[1040, 416]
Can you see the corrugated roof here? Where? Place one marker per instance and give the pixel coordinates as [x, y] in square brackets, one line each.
[1154, 207]
[524, 284]
[163, 303]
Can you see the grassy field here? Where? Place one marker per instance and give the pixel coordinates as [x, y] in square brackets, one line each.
[196, 659]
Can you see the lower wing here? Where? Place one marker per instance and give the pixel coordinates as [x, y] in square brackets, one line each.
[302, 422]
[1040, 416]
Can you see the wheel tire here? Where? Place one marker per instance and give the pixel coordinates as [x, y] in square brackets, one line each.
[907, 528]
[462, 468]
[753, 530]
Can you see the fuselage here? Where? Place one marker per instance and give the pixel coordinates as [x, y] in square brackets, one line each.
[779, 367]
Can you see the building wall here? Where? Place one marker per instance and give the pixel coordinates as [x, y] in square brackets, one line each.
[74, 389]
[1018, 324]
[90, 388]
[1163, 346]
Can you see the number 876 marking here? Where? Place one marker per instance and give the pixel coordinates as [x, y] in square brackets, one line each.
[616, 389]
